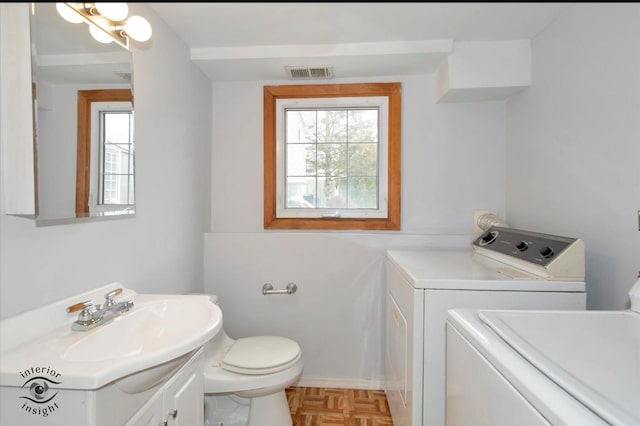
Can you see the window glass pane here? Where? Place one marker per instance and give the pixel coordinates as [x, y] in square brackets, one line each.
[131, 197]
[332, 192]
[131, 157]
[356, 157]
[301, 126]
[363, 159]
[332, 126]
[363, 193]
[363, 125]
[111, 189]
[124, 190]
[118, 158]
[118, 189]
[116, 127]
[301, 160]
[121, 156]
[111, 162]
[332, 159]
[300, 192]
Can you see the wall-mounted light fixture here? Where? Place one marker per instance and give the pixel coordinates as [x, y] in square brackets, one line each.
[107, 21]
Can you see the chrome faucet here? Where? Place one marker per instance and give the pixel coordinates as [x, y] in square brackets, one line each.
[101, 314]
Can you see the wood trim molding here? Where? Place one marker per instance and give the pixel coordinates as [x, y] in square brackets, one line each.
[83, 163]
[272, 93]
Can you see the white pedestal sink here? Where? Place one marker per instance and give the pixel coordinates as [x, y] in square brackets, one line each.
[125, 358]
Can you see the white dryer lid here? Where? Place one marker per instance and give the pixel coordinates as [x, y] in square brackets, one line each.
[261, 355]
[456, 269]
[593, 355]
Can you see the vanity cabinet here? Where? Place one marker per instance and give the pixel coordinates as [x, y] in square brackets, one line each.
[181, 391]
[179, 402]
[115, 374]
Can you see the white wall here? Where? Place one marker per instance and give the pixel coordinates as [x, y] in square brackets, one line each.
[453, 162]
[57, 134]
[453, 158]
[160, 250]
[573, 151]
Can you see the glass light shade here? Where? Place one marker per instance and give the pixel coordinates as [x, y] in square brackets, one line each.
[68, 14]
[100, 35]
[138, 28]
[114, 11]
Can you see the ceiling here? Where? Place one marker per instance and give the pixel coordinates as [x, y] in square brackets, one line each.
[255, 41]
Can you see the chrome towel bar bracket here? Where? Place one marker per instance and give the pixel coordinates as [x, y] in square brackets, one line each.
[268, 289]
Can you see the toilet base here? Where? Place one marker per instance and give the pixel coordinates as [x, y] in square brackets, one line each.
[227, 410]
[234, 410]
[270, 410]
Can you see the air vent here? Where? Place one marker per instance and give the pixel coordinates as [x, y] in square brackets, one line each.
[309, 73]
[124, 75]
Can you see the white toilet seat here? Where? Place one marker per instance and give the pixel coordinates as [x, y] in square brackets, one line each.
[218, 380]
[260, 355]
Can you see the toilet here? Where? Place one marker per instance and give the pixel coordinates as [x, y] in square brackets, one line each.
[245, 379]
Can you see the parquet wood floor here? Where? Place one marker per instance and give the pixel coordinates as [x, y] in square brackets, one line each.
[338, 407]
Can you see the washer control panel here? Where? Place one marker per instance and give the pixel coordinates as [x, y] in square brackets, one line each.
[541, 254]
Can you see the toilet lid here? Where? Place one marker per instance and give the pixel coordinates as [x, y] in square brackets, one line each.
[261, 355]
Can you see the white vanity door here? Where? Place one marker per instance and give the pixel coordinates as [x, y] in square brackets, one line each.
[184, 399]
[150, 415]
[179, 402]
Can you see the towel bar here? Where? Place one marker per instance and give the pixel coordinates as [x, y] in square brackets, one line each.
[268, 289]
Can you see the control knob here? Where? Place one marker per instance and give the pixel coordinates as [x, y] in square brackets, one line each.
[489, 238]
[546, 252]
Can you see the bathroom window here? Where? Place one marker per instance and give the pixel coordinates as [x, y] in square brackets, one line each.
[332, 156]
[114, 159]
[106, 151]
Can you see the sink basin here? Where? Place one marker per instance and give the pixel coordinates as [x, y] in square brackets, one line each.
[148, 341]
[151, 326]
[117, 340]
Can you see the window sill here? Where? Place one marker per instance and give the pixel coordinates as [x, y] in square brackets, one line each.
[334, 224]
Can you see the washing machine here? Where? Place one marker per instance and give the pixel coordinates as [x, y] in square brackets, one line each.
[543, 368]
[504, 268]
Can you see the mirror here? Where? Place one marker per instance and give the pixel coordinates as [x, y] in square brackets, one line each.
[83, 120]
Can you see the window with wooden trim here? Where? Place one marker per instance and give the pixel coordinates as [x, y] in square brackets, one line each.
[106, 153]
[332, 156]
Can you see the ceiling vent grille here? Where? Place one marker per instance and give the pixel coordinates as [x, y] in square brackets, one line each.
[124, 75]
[309, 73]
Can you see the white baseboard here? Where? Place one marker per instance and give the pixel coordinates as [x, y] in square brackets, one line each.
[320, 382]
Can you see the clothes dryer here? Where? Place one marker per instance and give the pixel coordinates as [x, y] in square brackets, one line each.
[504, 269]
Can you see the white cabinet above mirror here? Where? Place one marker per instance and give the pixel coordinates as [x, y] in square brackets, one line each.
[78, 170]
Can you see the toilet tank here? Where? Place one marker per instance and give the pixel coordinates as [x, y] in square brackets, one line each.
[221, 342]
[212, 297]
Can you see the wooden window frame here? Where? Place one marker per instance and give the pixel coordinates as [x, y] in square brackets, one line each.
[83, 163]
[390, 90]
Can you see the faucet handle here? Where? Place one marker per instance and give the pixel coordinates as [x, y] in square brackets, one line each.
[113, 293]
[109, 296]
[78, 306]
[85, 314]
